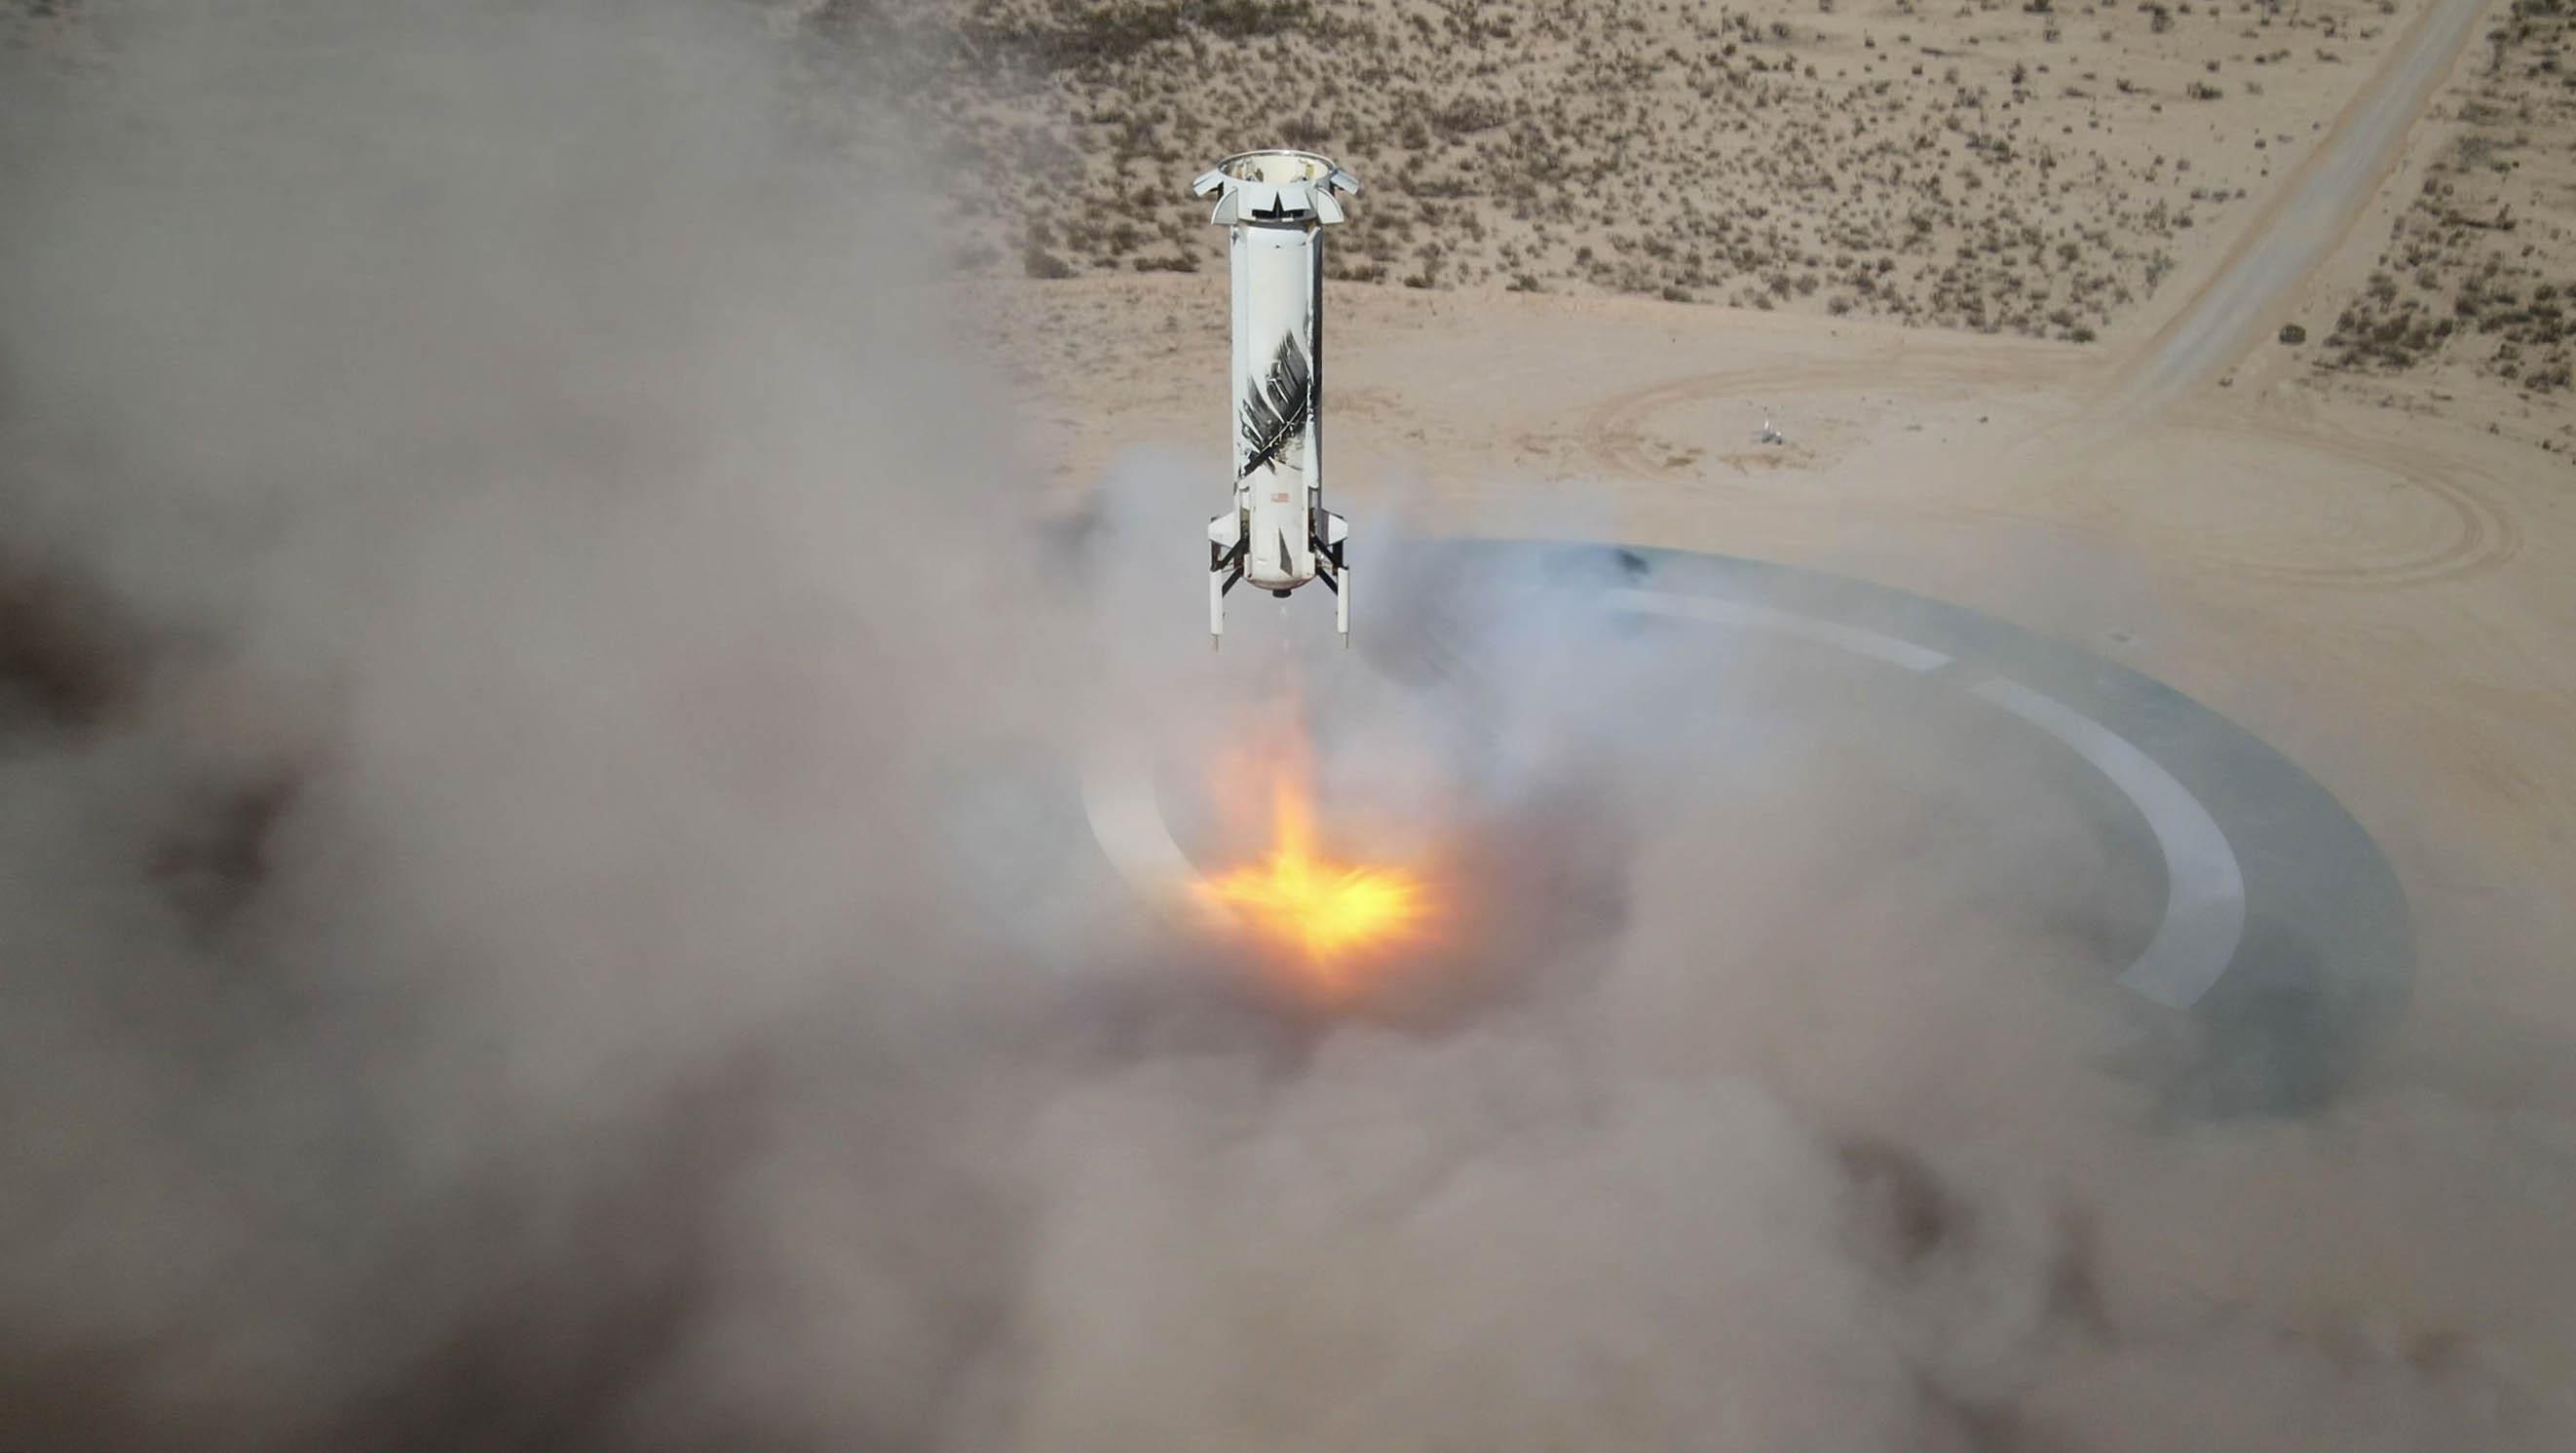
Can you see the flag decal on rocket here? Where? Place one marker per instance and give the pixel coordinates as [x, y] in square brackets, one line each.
[1275, 407]
[1275, 206]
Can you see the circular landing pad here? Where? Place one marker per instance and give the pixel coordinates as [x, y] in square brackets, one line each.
[2225, 887]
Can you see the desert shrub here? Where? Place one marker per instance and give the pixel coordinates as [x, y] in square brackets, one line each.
[1246, 19]
[1037, 262]
[1084, 36]
[1304, 133]
[2292, 333]
[1468, 115]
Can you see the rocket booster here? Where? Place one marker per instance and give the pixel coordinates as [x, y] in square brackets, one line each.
[1278, 535]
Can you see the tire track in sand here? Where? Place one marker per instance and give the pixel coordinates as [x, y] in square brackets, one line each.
[2477, 535]
[2285, 243]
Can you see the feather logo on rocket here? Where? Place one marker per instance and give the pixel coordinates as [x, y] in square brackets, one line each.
[1275, 408]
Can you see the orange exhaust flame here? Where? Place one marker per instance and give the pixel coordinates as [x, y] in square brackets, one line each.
[1330, 916]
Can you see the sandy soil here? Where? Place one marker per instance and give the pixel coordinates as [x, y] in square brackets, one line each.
[2383, 186]
[2383, 593]
[2451, 296]
[2041, 168]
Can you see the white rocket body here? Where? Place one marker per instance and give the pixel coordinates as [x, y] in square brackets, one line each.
[1278, 535]
[1275, 343]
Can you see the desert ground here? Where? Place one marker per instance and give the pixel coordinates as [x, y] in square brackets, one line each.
[599, 601]
[2352, 547]
[2044, 171]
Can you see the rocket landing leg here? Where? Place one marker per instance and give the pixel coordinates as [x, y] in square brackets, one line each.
[1337, 579]
[1334, 545]
[1225, 567]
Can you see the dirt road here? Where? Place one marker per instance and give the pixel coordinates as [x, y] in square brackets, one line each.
[2303, 223]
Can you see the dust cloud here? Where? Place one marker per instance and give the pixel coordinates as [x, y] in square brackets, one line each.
[547, 906]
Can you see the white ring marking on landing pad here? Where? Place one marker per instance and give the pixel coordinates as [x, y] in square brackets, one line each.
[2204, 888]
[2204, 917]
